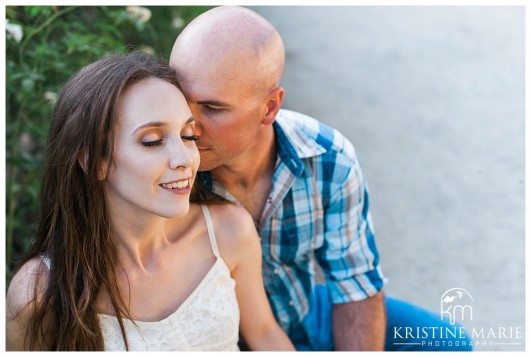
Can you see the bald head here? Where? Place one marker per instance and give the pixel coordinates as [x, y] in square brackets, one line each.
[232, 42]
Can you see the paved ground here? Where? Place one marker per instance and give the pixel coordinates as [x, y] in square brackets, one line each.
[433, 100]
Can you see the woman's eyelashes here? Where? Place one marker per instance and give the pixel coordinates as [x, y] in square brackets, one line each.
[152, 143]
[159, 142]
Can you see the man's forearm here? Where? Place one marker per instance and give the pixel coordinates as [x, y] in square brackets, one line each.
[360, 325]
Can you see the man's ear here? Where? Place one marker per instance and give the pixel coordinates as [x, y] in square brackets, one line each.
[274, 101]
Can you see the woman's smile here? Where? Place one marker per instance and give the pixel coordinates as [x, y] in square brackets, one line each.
[178, 187]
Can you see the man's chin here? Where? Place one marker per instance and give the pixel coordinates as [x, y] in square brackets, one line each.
[208, 161]
[207, 166]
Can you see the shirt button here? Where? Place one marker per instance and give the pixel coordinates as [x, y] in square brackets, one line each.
[276, 271]
[291, 303]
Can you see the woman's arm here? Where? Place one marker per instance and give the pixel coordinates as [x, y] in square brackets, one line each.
[240, 245]
[20, 303]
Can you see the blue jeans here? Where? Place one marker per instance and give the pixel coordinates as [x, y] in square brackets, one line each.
[407, 328]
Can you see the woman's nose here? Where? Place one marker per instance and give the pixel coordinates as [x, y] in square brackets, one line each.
[180, 156]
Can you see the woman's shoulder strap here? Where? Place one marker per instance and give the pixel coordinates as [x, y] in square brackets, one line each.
[210, 227]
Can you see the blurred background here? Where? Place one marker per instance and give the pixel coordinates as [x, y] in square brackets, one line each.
[431, 97]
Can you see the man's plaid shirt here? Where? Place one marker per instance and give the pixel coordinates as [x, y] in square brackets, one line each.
[317, 211]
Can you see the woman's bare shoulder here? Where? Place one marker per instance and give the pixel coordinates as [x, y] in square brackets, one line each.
[23, 295]
[235, 231]
[232, 220]
[28, 283]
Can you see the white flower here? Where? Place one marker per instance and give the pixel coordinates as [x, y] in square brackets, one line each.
[27, 144]
[50, 96]
[15, 31]
[178, 22]
[147, 49]
[139, 13]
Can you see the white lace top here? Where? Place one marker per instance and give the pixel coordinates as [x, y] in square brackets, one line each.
[208, 320]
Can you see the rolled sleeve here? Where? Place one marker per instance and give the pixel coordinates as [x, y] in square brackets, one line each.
[349, 257]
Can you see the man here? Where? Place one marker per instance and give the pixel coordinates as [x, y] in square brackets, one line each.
[299, 179]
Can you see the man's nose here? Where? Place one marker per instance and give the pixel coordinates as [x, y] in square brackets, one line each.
[198, 129]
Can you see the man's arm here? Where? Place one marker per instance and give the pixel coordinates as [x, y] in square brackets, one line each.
[360, 325]
[349, 257]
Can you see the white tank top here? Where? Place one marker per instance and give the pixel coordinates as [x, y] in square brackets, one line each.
[208, 320]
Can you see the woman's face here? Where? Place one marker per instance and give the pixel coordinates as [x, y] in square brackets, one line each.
[155, 158]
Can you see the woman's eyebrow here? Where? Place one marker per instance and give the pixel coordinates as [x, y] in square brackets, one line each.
[151, 124]
[158, 124]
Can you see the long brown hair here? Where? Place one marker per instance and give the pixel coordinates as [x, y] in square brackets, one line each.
[74, 232]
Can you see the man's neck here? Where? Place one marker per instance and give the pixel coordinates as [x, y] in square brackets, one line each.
[250, 178]
[252, 165]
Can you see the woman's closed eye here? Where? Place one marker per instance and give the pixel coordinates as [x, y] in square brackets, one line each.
[152, 143]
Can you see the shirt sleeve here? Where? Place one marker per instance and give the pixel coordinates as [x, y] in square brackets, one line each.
[349, 257]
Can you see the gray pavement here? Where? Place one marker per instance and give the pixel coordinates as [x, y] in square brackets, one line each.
[433, 100]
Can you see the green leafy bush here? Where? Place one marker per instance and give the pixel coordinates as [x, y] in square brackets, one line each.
[44, 46]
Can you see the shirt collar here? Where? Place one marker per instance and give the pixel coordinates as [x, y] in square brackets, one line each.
[295, 139]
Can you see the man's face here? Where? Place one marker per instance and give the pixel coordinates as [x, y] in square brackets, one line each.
[227, 107]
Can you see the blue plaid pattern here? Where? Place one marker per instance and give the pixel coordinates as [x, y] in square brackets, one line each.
[317, 212]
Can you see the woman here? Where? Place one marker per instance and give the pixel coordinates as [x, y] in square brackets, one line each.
[122, 260]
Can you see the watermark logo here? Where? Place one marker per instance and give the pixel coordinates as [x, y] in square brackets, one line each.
[449, 333]
[457, 305]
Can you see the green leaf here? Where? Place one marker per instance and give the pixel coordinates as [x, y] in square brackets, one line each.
[28, 84]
